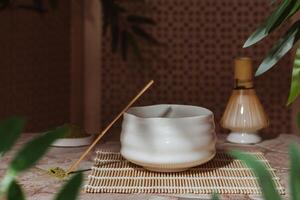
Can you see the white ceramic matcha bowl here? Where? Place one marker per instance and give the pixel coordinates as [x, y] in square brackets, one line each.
[168, 138]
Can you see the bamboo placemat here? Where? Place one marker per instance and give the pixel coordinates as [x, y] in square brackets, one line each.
[113, 174]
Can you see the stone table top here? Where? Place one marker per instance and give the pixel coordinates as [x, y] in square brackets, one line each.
[38, 185]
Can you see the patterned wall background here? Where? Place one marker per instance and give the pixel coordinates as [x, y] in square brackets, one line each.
[203, 38]
[34, 65]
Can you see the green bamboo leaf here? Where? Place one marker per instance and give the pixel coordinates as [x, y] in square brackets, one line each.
[53, 4]
[283, 14]
[111, 13]
[294, 171]
[272, 22]
[215, 196]
[280, 49]
[135, 47]
[37, 2]
[5, 183]
[4, 3]
[71, 189]
[117, 8]
[265, 181]
[115, 34]
[295, 83]
[294, 9]
[298, 120]
[15, 192]
[143, 34]
[124, 44]
[38, 5]
[29, 154]
[115, 27]
[10, 130]
[106, 14]
[139, 19]
[34, 150]
[273, 1]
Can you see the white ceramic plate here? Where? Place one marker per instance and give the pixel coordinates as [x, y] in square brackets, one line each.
[73, 142]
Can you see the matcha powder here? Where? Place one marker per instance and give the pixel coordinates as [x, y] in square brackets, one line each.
[57, 172]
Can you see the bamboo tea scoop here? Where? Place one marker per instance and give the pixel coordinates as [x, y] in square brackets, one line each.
[76, 163]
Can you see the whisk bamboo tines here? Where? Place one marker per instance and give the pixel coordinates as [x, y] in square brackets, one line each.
[101, 134]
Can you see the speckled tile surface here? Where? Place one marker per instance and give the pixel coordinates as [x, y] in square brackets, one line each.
[38, 185]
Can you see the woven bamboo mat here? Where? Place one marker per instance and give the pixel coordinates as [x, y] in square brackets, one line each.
[113, 174]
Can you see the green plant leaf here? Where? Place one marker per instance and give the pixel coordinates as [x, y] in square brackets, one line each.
[53, 4]
[143, 34]
[115, 26]
[264, 178]
[4, 3]
[139, 19]
[15, 192]
[34, 150]
[135, 47]
[10, 130]
[124, 44]
[115, 33]
[29, 154]
[280, 49]
[273, 1]
[5, 183]
[295, 82]
[215, 196]
[294, 172]
[298, 120]
[106, 14]
[111, 13]
[281, 13]
[38, 5]
[71, 188]
[294, 9]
